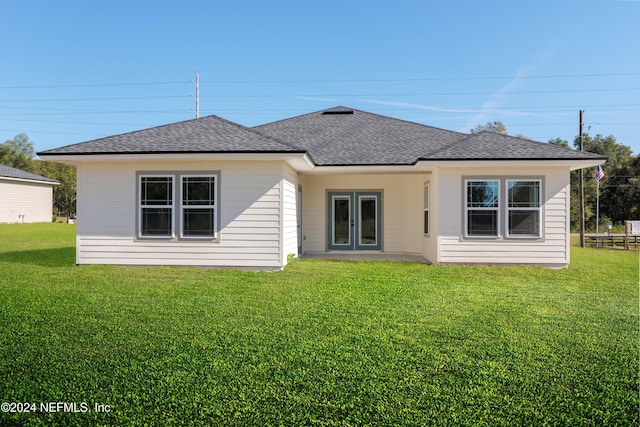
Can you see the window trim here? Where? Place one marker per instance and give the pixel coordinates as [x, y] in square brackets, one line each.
[141, 207]
[426, 224]
[509, 209]
[177, 233]
[496, 209]
[182, 206]
[503, 211]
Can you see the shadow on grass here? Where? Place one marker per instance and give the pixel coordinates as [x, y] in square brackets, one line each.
[56, 257]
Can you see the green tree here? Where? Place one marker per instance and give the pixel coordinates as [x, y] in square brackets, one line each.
[495, 127]
[619, 196]
[64, 195]
[619, 190]
[559, 142]
[18, 153]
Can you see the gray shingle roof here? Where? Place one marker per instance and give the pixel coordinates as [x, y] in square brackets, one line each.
[338, 136]
[9, 172]
[343, 136]
[494, 146]
[205, 135]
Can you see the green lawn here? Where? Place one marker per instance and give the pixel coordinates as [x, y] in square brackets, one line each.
[320, 343]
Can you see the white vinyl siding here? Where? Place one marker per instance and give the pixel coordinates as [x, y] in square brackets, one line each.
[551, 248]
[25, 201]
[289, 212]
[249, 205]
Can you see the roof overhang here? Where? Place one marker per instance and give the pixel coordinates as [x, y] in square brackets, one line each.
[296, 160]
[572, 164]
[302, 162]
[427, 166]
[32, 181]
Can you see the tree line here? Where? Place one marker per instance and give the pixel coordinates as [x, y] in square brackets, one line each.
[20, 153]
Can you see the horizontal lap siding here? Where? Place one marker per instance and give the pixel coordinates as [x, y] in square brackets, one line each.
[25, 202]
[249, 211]
[289, 213]
[552, 249]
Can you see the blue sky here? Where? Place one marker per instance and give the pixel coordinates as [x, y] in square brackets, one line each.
[73, 71]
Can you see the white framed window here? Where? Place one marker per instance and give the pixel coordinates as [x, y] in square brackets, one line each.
[523, 208]
[198, 206]
[156, 208]
[426, 209]
[193, 196]
[482, 208]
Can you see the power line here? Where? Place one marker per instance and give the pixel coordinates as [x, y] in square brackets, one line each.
[550, 76]
[390, 80]
[93, 85]
[344, 95]
[120, 98]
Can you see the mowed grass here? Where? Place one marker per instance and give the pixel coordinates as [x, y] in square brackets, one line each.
[320, 343]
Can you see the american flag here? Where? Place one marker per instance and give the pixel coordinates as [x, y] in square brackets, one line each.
[599, 174]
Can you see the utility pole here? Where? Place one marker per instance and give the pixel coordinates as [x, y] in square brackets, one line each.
[581, 189]
[196, 83]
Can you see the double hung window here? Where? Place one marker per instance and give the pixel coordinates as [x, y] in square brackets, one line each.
[482, 208]
[523, 208]
[516, 213]
[156, 206]
[426, 209]
[198, 206]
[175, 204]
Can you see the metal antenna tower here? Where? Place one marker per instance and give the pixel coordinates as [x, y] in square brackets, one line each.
[196, 83]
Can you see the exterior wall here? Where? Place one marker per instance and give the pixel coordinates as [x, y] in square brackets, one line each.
[289, 212]
[430, 241]
[401, 208]
[22, 201]
[250, 211]
[257, 209]
[552, 249]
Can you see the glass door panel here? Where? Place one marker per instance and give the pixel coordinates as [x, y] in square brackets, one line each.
[341, 220]
[368, 227]
[354, 220]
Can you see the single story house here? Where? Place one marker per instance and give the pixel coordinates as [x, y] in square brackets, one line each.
[24, 196]
[210, 192]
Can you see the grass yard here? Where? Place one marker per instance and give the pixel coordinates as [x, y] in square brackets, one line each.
[321, 343]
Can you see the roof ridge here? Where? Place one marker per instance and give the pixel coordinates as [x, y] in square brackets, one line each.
[252, 130]
[408, 121]
[343, 107]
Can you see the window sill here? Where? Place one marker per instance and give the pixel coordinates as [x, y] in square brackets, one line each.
[502, 239]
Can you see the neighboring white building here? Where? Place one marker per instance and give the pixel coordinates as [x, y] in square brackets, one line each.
[25, 197]
[340, 181]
